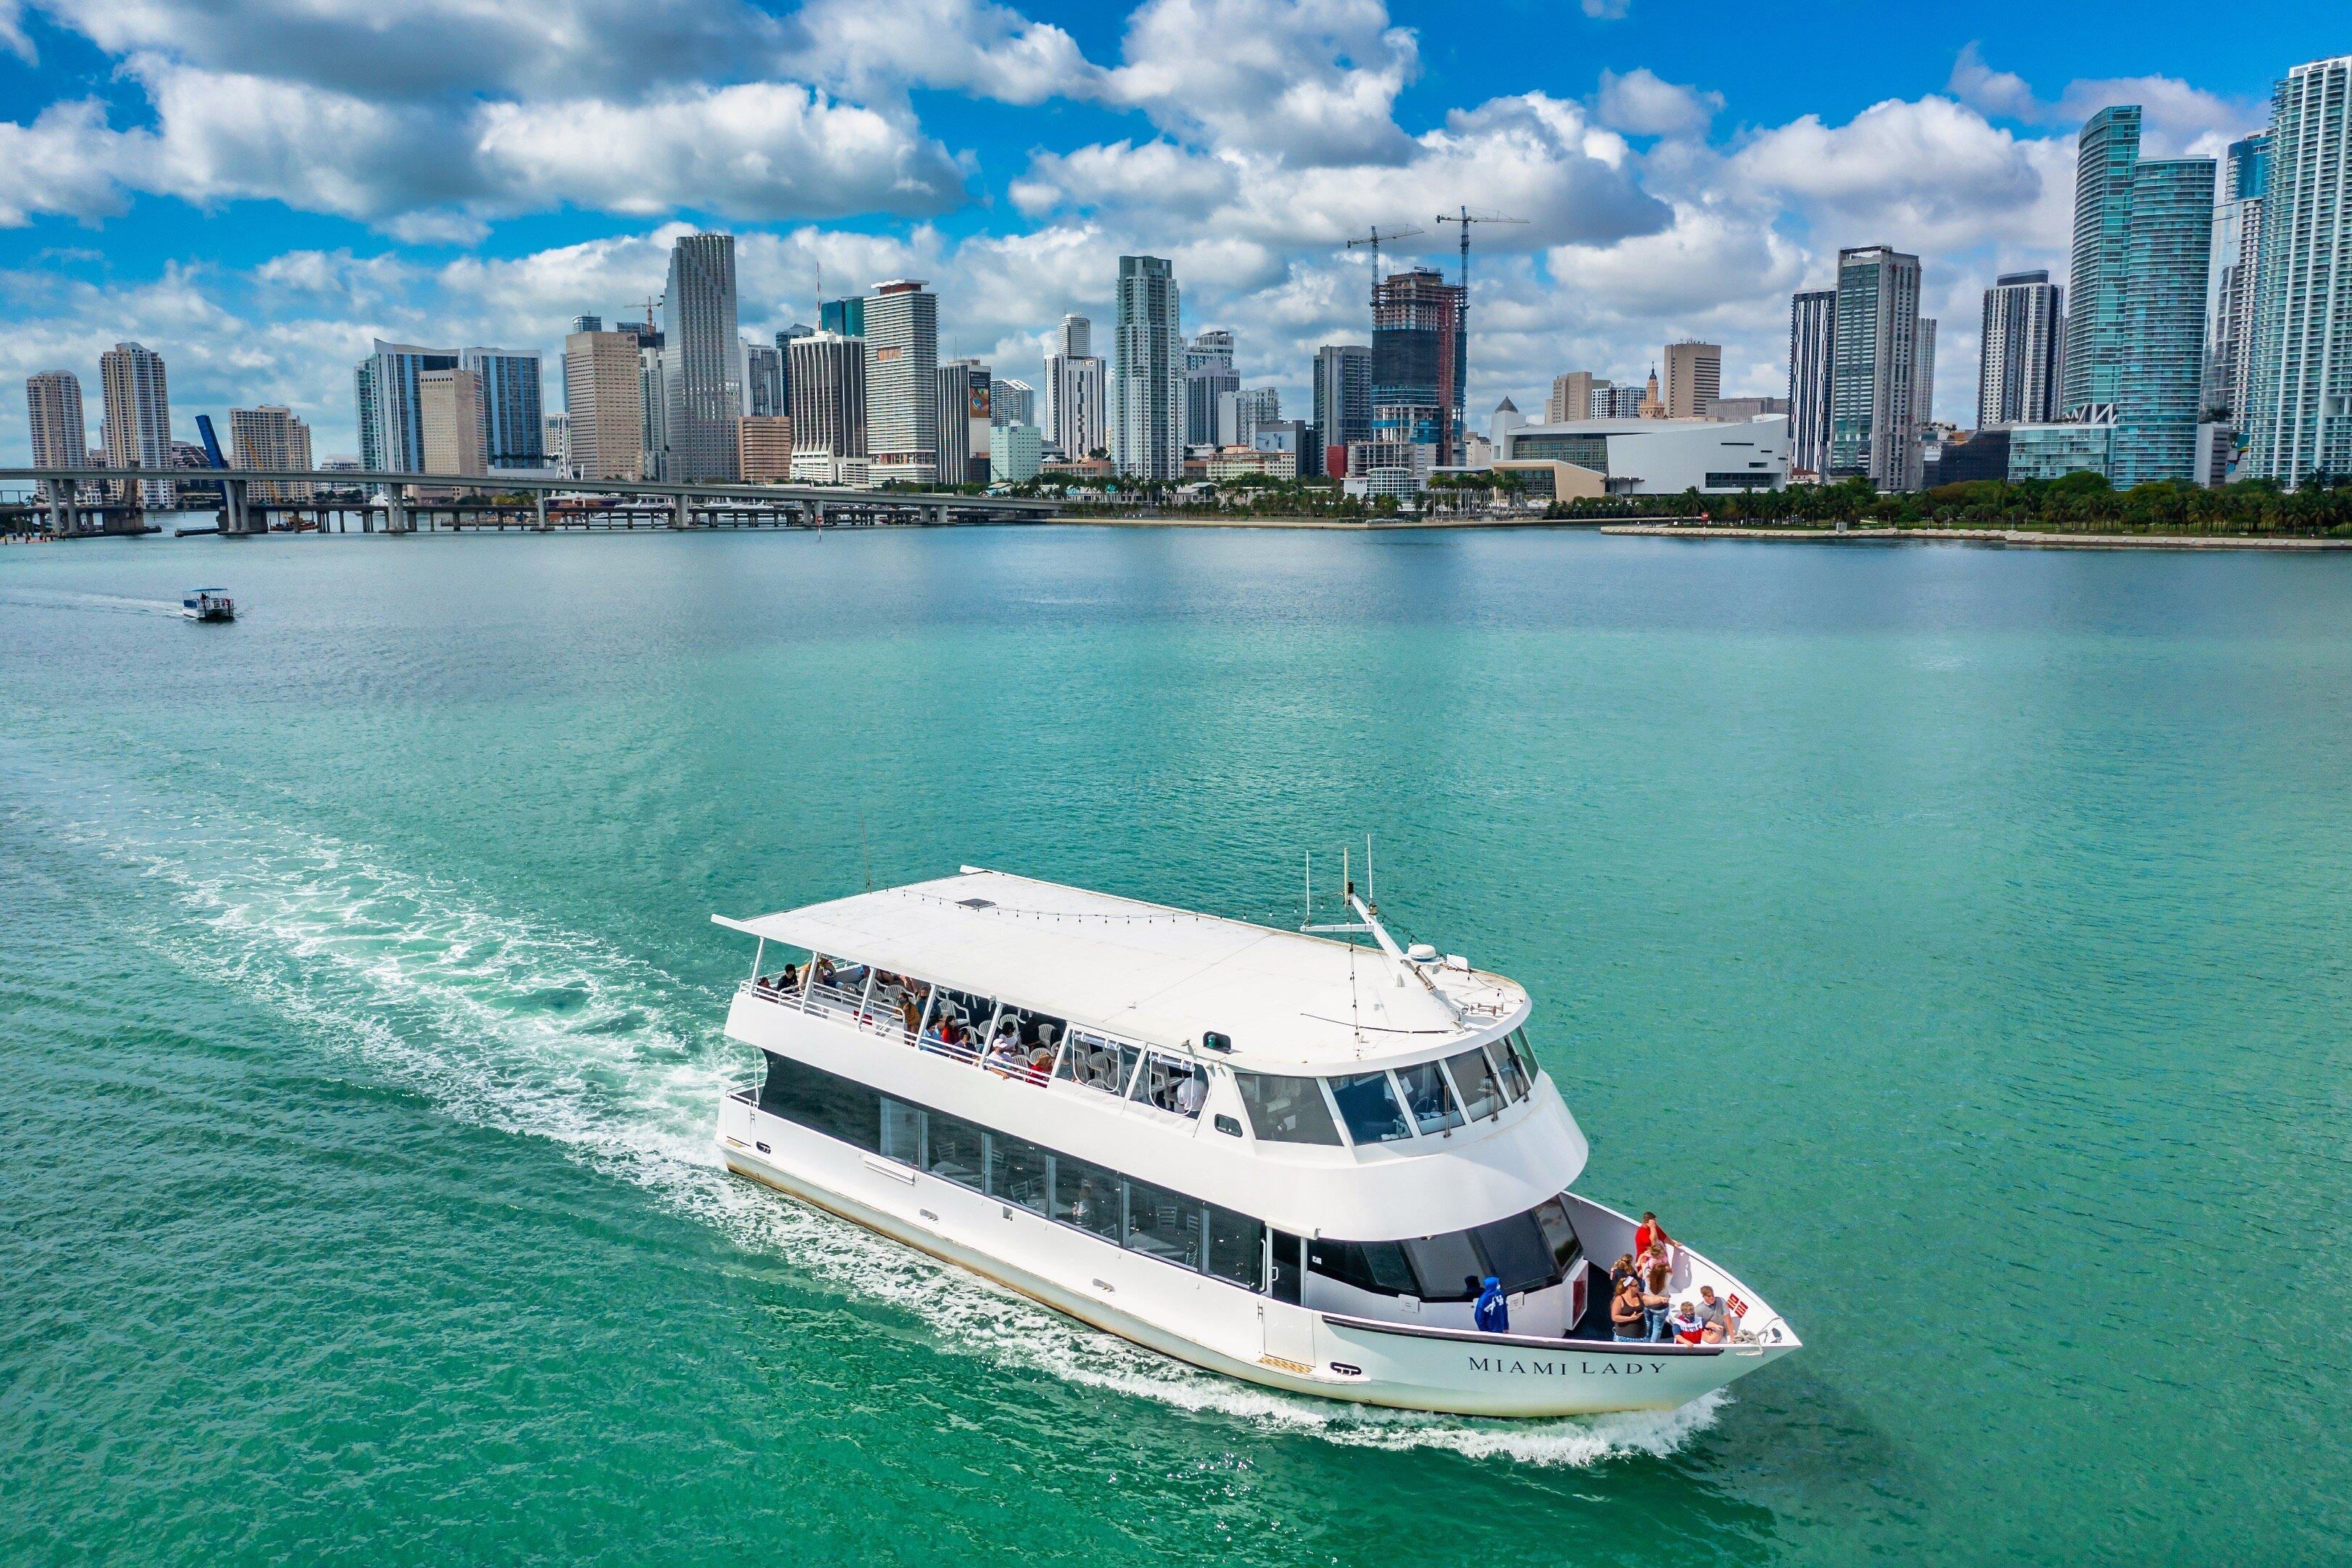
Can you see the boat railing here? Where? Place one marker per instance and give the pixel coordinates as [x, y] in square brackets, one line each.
[870, 1017]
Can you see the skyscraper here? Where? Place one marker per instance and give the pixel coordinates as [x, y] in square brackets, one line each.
[449, 414]
[1812, 319]
[704, 368]
[1419, 362]
[392, 433]
[513, 419]
[846, 317]
[1572, 398]
[2230, 297]
[1874, 354]
[270, 437]
[902, 382]
[1077, 391]
[964, 417]
[2299, 377]
[1012, 401]
[60, 440]
[1147, 417]
[1694, 379]
[604, 382]
[1208, 376]
[2136, 306]
[826, 382]
[137, 416]
[1343, 399]
[764, 380]
[2025, 331]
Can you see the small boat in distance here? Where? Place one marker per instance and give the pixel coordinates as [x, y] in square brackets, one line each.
[1327, 1167]
[208, 605]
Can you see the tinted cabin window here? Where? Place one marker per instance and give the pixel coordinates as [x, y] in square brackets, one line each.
[1286, 1109]
[1237, 1247]
[1088, 1197]
[1017, 1172]
[902, 1132]
[1378, 1266]
[822, 1102]
[1474, 1076]
[1448, 1266]
[956, 1151]
[1426, 1095]
[1166, 1225]
[1370, 1108]
[1559, 1232]
[1516, 1253]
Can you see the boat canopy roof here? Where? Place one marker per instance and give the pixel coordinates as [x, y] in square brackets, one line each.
[1160, 975]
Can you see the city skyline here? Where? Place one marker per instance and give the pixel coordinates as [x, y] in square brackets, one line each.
[1665, 201]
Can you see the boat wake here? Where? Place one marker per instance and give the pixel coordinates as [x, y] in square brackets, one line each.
[538, 1031]
[70, 599]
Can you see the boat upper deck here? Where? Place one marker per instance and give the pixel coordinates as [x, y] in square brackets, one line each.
[1160, 975]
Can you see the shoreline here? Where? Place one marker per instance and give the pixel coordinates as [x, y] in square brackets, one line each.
[2023, 539]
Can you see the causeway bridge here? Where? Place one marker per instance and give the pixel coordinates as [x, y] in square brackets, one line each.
[91, 501]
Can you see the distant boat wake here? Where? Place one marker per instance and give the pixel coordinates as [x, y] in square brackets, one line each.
[508, 1022]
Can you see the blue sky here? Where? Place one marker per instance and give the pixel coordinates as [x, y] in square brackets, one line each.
[254, 189]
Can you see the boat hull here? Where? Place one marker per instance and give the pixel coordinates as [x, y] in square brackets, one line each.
[1218, 1327]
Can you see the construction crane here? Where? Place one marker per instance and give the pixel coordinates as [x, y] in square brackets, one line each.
[1373, 239]
[1465, 217]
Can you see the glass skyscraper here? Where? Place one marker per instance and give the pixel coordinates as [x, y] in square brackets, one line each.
[1875, 358]
[2136, 318]
[1146, 412]
[2298, 406]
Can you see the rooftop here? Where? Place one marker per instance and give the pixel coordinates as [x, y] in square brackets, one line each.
[1153, 973]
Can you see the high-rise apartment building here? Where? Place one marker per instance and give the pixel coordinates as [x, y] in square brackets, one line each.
[1343, 400]
[902, 382]
[1016, 452]
[655, 375]
[137, 416]
[514, 419]
[2230, 300]
[1613, 402]
[392, 431]
[1572, 398]
[1923, 374]
[2023, 334]
[964, 417]
[1874, 354]
[2135, 304]
[270, 437]
[763, 447]
[449, 416]
[1147, 414]
[704, 368]
[826, 382]
[2298, 406]
[1012, 401]
[1209, 376]
[604, 378]
[60, 437]
[1812, 330]
[556, 441]
[1694, 379]
[1420, 362]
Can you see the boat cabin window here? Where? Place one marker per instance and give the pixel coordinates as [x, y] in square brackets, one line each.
[902, 1133]
[1096, 1062]
[836, 1107]
[1426, 1095]
[1028, 1038]
[1473, 1077]
[1559, 1232]
[1166, 1225]
[1370, 1108]
[1019, 1172]
[1525, 1251]
[1448, 1266]
[955, 1149]
[1286, 1109]
[1086, 1195]
[1377, 1266]
[1237, 1247]
[1172, 1084]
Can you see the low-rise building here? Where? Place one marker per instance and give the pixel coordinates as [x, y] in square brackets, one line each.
[2053, 451]
[1018, 453]
[1247, 462]
[1661, 457]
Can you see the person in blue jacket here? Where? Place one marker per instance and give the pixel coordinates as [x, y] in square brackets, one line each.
[1490, 1314]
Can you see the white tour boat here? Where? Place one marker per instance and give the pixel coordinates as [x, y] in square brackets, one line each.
[1279, 1156]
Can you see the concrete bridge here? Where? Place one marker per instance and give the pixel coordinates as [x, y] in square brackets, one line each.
[401, 499]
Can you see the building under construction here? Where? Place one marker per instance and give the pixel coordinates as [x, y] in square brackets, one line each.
[1419, 353]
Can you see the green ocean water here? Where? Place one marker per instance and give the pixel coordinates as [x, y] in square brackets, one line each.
[1954, 942]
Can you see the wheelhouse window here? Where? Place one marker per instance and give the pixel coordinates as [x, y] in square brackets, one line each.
[1286, 1109]
[1473, 1077]
[1369, 1106]
[1518, 1067]
[1426, 1095]
[1096, 1062]
[1166, 1225]
[1171, 1084]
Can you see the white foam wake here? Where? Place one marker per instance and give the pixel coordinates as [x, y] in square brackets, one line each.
[513, 1023]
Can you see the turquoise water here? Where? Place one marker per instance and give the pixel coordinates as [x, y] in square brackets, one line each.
[1952, 940]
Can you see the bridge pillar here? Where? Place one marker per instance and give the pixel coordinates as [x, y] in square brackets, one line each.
[678, 515]
[395, 515]
[539, 509]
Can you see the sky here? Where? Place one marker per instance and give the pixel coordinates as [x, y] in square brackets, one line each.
[258, 189]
